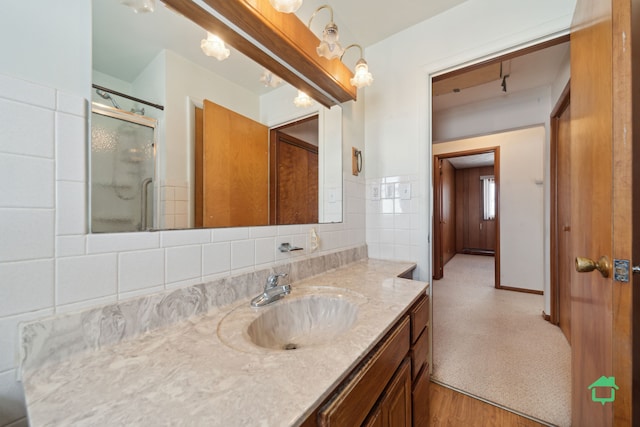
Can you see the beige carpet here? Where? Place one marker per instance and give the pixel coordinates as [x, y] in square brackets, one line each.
[495, 344]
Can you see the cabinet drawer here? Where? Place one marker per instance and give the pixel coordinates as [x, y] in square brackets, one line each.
[419, 317]
[353, 403]
[420, 398]
[420, 353]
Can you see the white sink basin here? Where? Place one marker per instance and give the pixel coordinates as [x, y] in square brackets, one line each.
[306, 321]
[309, 317]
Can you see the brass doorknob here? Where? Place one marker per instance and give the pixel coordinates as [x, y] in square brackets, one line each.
[585, 265]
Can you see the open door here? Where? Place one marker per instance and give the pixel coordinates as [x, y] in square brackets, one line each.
[602, 212]
[235, 169]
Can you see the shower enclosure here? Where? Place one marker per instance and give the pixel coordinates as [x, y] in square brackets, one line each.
[123, 152]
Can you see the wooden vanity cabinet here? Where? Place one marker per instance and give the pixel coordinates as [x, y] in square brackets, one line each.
[420, 346]
[390, 388]
[394, 407]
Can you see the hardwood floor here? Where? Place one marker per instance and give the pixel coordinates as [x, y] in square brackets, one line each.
[451, 408]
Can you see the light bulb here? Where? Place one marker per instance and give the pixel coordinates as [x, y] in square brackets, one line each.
[286, 6]
[214, 46]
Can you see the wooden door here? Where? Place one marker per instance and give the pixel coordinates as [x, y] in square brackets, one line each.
[564, 221]
[294, 187]
[235, 171]
[602, 142]
[561, 262]
[448, 220]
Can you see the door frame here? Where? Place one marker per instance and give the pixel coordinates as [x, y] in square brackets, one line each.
[437, 207]
[554, 286]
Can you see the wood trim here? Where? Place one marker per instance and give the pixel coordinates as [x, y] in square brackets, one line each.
[437, 202]
[198, 168]
[438, 263]
[635, 248]
[545, 316]
[526, 291]
[330, 82]
[626, 98]
[501, 58]
[558, 109]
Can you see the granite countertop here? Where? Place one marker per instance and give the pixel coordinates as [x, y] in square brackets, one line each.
[185, 374]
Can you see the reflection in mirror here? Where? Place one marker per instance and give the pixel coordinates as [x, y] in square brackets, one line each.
[151, 78]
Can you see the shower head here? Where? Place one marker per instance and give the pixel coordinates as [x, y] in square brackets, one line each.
[105, 95]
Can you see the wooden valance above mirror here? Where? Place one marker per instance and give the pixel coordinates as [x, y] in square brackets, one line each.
[251, 26]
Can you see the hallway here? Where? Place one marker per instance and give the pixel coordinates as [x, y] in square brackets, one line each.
[494, 344]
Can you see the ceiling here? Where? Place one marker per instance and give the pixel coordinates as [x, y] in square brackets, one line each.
[525, 72]
[472, 161]
[124, 43]
[374, 20]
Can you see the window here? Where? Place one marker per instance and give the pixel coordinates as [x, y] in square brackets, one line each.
[489, 197]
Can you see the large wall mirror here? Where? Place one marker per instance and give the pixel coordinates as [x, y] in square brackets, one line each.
[182, 140]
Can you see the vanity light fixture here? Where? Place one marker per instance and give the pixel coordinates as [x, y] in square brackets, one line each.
[269, 79]
[362, 77]
[286, 6]
[329, 46]
[303, 100]
[214, 46]
[140, 6]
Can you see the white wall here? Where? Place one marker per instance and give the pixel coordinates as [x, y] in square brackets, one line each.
[48, 264]
[521, 202]
[397, 119]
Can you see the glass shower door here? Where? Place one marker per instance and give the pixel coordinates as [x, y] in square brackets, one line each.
[122, 170]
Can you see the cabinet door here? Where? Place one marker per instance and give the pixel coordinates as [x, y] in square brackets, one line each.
[396, 402]
[375, 419]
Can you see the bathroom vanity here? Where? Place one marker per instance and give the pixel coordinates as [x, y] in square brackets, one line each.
[371, 366]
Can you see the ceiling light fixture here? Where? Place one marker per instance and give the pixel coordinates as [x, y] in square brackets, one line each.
[362, 77]
[329, 46]
[140, 6]
[286, 6]
[303, 100]
[214, 46]
[269, 79]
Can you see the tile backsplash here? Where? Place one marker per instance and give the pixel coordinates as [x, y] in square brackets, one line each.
[49, 265]
[392, 217]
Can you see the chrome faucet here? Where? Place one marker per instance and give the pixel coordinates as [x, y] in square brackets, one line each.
[272, 291]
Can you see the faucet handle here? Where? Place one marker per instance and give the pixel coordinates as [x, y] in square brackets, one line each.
[273, 280]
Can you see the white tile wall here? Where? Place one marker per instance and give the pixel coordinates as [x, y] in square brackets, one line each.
[86, 277]
[26, 181]
[49, 265]
[392, 217]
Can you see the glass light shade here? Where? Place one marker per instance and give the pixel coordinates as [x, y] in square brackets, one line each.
[269, 79]
[140, 6]
[286, 6]
[362, 77]
[303, 100]
[330, 47]
[214, 46]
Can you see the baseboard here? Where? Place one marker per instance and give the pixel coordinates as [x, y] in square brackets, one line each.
[546, 317]
[527, 291]
[475, 251]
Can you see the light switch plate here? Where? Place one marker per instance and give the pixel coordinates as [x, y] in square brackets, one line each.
[405, 191]
[375, 192]
[388, 191]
